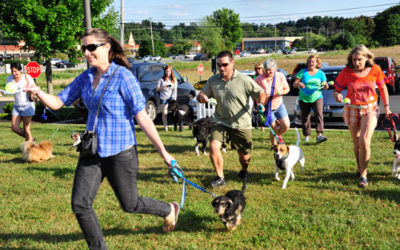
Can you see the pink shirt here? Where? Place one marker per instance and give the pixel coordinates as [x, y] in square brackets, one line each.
[280, 85]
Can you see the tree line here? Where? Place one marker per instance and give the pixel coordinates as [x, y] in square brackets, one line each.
[223, 29]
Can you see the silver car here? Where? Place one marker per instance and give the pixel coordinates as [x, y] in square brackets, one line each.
[332, 109]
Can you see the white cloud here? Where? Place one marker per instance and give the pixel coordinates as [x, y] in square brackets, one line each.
[178, 14]
[178, 7]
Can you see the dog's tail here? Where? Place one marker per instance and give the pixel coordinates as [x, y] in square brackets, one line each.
[245, 182]
[298, 137]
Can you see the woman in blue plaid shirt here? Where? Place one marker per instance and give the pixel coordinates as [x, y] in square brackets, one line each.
[116, 157]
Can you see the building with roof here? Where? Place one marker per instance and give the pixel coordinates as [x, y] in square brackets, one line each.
[273, 43]
[15, 51]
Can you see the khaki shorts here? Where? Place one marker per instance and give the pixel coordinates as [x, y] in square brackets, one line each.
[241, 139]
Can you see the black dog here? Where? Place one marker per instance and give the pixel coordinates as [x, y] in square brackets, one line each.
[230, 206]
[201, 132]
[181, 113]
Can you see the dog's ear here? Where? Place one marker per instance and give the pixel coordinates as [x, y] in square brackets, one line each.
[216, 201]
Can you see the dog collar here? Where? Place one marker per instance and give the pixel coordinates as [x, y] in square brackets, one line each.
[284, 157]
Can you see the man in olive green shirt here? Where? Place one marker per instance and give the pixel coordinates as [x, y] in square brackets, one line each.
[232, 91]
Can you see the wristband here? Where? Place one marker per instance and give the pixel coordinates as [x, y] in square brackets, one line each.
[386, 105]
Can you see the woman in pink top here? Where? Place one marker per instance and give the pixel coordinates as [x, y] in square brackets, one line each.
[361, 77]
[279, 116]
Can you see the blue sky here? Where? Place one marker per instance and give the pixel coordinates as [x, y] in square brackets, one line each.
[252, 11]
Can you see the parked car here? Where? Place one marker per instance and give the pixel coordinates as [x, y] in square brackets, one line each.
[260, 51]
[148, 74]
[389, 67]
[53, 61]
[332, 110]
[147, 58]
[244, 54]
[312, 51]
[65, 64]
[156, 58]
[292, 77]
[200, 57]
[190, 56]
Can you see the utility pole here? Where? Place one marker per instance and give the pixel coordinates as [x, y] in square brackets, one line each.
[275, 38]
[151, 36]
[88, 19]
[122, 23]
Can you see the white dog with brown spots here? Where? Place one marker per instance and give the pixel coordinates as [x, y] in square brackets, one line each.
[286, 158]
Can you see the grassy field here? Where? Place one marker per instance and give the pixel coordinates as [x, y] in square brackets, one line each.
[322, 208]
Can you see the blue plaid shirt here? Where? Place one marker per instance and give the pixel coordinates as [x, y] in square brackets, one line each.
[122, 100]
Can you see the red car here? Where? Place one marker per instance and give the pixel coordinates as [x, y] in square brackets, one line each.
[389, 67]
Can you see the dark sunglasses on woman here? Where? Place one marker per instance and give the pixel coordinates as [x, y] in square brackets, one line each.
[91, 47]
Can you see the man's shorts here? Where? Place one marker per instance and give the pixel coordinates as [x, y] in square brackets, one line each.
[352, 114]
[23, 110]
[241, 139]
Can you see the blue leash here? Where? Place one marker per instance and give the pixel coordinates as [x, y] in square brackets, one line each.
[264, 118]
[175, 172]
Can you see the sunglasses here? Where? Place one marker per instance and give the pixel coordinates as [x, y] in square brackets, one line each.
[258, 68]
[222, 64]
[91, 47]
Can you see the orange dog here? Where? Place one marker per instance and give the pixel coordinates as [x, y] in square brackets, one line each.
[34, 152]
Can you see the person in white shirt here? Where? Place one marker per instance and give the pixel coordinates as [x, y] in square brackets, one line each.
[24, 108]
[168, 88]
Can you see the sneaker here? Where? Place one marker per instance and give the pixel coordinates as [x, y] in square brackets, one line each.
[219, 181]
[280, 139]
[172, 219]
[321, 138]
[166, 128]
[242, 174]
[307, 138]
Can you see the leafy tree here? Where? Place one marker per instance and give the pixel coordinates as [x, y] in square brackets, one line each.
[387, 29]
[52, 26]
[210, 38]
[229, 22]
[181, 47]
[147, 49]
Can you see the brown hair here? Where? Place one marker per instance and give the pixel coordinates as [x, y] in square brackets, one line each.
[172, 77]
[317, 59]
[360, 49]
[116, 52]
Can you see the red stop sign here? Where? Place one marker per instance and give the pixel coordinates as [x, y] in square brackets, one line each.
[200, 69]
[33, 69]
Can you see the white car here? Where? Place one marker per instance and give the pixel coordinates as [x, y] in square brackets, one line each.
[156, 58]
[190, 56]
[312, 51]
[147, 58]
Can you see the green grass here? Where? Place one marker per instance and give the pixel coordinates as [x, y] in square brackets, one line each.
[322, 208]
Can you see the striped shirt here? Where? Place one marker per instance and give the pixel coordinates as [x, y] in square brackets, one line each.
[122, 100]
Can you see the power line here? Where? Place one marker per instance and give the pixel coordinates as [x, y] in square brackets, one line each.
[268, 17]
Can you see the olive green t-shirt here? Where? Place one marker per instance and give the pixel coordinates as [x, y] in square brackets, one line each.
[233, 107]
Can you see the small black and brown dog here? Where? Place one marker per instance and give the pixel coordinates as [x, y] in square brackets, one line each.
[181, 113]
[230, 206]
